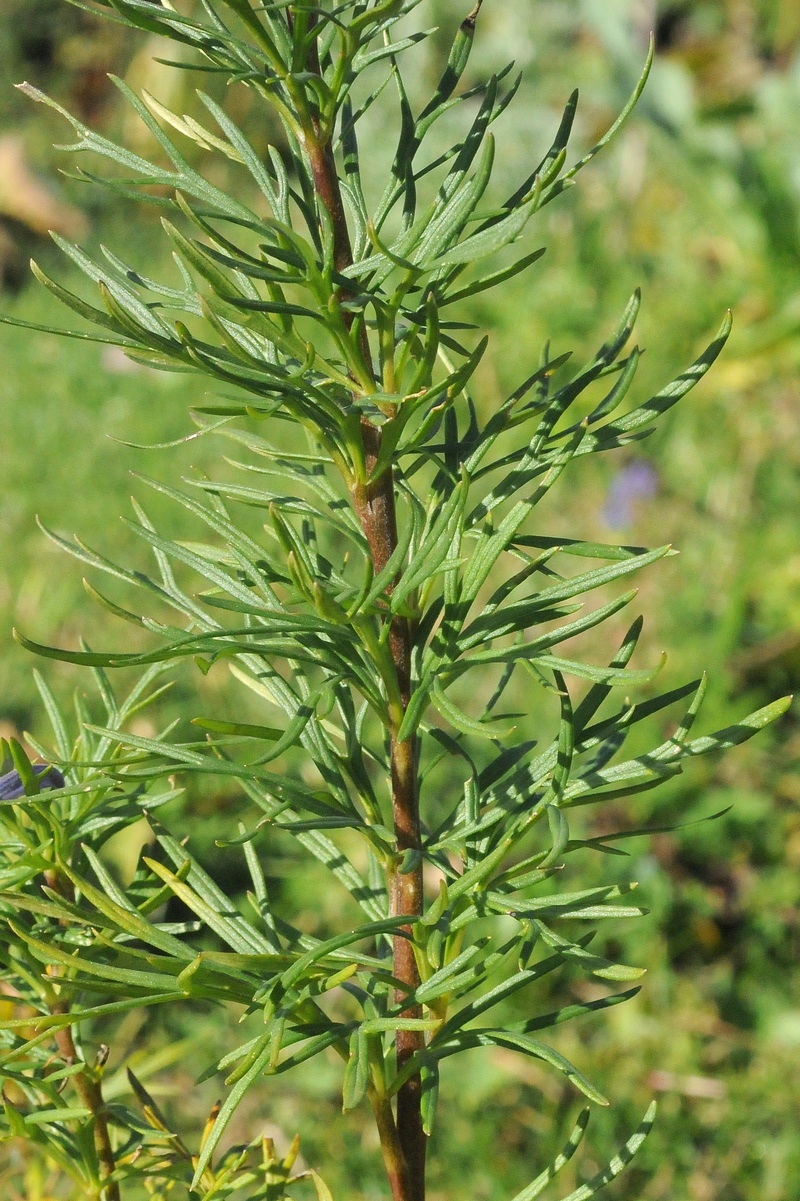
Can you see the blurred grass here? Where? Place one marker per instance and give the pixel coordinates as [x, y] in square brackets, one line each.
[699, 201]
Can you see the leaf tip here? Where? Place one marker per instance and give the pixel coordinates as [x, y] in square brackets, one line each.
[468, 24]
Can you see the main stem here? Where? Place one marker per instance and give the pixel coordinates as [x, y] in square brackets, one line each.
[375, 506]
[376, 510]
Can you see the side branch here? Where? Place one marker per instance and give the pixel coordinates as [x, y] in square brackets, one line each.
[91, 1097]
[87, 1087]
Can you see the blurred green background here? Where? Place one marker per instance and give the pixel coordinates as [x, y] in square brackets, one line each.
[698, 201]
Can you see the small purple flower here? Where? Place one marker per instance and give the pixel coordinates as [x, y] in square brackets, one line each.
[12, 788]
[636, 481]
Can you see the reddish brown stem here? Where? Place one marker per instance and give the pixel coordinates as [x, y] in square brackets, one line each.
[374, 503]
[326, 182]
[406, 898]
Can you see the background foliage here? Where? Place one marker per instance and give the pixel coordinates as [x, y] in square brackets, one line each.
[700, 200]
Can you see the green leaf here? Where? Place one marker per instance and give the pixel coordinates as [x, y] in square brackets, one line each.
[659, 763]
[507, 988]
[731, 735]
[22, 763]
[618, 1163]
[323, 1192]
[124, 916]
[366, 59]
[443, 229]
[598, 693]
[238, 729]
[43, 1117]
[573, 1142]
[368, 930]
[577, 585]
[636, 419]
[569, 1012]
[441, 982]
[245, 152]
[226, 922]
[456, 64]
[596, 964]
[464, 724]
[227, 1110]
[616, 126]
[55, 716]
[564, 904]
[613, 676]
[435, 545]
[559, 827]
[429, 1082]
[516, 618]
[184, 178]
[392, 1025]
[489, 241]
[131, 977]
[356, 1072]
[496, 278]
[537, 1050]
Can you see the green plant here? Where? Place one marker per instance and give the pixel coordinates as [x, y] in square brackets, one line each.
[401, 561]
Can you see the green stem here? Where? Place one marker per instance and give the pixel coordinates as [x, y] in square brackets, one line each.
[86, 1085]
[393, 1158]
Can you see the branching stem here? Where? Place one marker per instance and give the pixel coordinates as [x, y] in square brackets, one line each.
[87, 1087]
[91, 1097]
